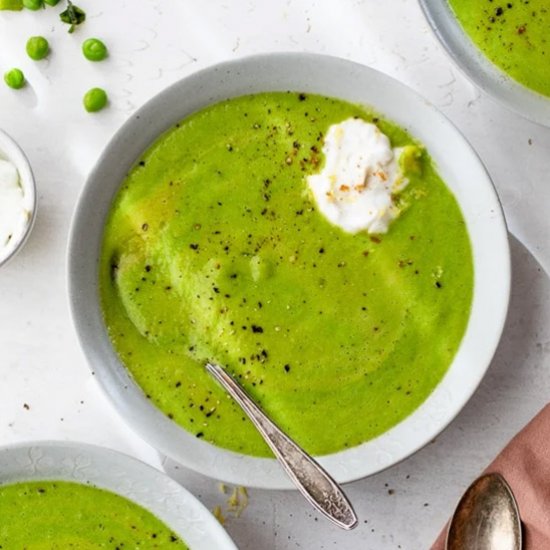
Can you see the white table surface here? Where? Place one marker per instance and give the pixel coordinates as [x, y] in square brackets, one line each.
[46, 390]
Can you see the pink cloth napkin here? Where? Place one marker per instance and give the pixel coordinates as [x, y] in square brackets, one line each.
[525, 464]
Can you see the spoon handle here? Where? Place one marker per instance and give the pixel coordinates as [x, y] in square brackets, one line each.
[310, 478]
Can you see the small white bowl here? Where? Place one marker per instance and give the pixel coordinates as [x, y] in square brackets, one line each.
[479, 69]
[9, 150]
[120, 474]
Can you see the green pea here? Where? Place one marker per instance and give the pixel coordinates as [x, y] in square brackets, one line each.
[33, 4]
[14, 79]
[94, 100]
[51, 2]
[13, 5]
[94, 49]
[37, 47]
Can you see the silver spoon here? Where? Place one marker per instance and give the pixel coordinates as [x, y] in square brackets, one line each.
[309, 477]
[486, 518]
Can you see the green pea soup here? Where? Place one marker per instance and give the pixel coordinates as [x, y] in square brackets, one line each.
[513, 35]
[214, 250]
[57, 515]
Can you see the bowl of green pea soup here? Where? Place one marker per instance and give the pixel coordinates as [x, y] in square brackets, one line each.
[69, 495]
[501, 46]
[319, 230]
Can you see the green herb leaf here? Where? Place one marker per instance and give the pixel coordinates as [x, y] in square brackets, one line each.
[73, 16]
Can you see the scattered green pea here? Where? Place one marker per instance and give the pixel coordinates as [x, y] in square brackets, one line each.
[33, 4]
[94, 100]
[15, 79]
[94, 49]
[37, 47]
[51, 2]
[13, 5]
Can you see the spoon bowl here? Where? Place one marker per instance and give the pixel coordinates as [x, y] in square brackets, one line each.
[486, 518]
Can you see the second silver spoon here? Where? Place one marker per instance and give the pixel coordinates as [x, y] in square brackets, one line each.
[486, 518]
[310, 478]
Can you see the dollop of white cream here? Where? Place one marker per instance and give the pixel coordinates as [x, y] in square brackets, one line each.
[14, 217]
[356, 187]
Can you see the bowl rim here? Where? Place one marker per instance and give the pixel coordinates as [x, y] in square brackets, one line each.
[479, 70]
[119, 473]
[351, 464]
[10, 149]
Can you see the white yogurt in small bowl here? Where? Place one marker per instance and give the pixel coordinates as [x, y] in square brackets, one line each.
[17, 198]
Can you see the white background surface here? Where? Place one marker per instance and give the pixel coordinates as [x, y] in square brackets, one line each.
[156, 42]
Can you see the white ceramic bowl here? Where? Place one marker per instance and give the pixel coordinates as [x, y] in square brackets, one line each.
[9, 150]
[457, 163]
[482, 72]
[120, 474]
